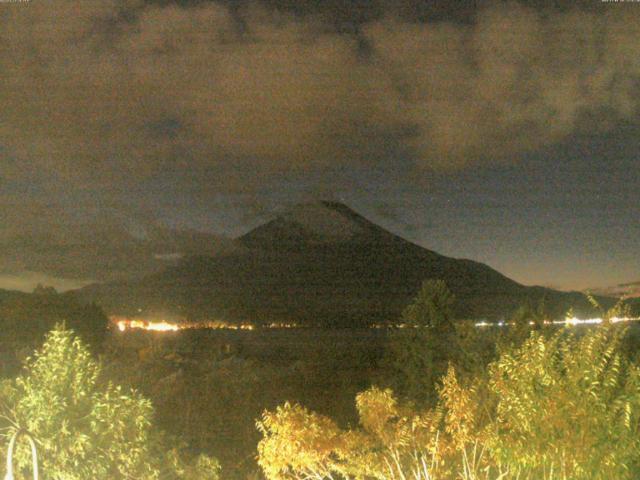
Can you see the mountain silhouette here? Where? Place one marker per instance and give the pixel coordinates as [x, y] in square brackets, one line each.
[320, 264]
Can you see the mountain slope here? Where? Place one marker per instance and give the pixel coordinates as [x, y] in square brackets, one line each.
[626, 290]
[99, 250]
[319, 264]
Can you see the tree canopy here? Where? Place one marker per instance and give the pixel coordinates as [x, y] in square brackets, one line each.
[84, 425]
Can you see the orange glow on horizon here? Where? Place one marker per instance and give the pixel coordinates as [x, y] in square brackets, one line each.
[124, 324]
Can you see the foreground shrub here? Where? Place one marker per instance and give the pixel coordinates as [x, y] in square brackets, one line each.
[86, 427]
[301, 444]
[568, 403]
[418, 353]
[559, 406]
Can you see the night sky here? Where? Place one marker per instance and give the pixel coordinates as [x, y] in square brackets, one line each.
[504, 132]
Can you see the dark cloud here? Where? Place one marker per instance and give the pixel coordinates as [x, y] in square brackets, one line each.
[113, 93]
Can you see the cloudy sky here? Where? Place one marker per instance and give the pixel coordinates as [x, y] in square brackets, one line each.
[500, 131]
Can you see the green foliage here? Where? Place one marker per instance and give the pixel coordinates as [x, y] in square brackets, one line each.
[531, 315]
[568, 402]
[298, 442]
[560, 406]
[391, 439]
[620, 309]
[431, 307]
[85, 427]
[420, 351]
[179, 467]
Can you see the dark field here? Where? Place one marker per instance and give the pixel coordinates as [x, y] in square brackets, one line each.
[210, 386]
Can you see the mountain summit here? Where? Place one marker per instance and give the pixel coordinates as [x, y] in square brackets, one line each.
[320, 264]
[314, 223]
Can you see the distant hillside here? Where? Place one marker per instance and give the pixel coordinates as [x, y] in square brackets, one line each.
[97, 250]
[320, 264]
[25, 318]
[626, 290]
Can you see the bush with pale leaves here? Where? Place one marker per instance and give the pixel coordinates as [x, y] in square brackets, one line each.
[558, 407]
[85, 426]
